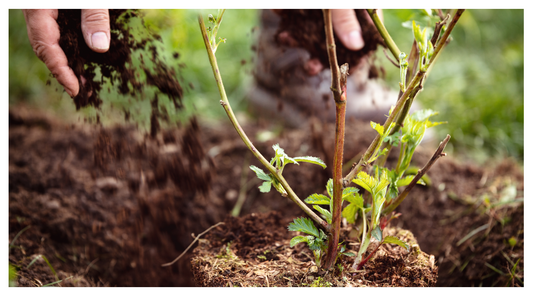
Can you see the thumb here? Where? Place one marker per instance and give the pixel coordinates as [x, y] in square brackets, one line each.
[95, 28]
[347, 28]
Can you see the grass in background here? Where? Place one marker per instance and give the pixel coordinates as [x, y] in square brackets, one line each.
[477, 84]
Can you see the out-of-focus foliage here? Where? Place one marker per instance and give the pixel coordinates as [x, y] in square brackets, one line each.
[477, 83]
[180, 33]
[27, 75]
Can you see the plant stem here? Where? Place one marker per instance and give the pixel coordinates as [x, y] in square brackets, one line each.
[384, 33]
[338, 87]
[438, 154]
[374, 145]
[442, 41]
[363, 262]
[227, 107]
[399, 105]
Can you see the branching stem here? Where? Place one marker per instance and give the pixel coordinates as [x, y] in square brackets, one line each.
[374, 145]
[438, 154]
[412, 85]
[227, 107]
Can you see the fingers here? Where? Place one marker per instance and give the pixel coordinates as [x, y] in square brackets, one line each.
[95, 28]
[347, 28]
[43, 33]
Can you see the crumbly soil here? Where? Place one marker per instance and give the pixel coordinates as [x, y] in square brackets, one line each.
[109, 206]
[115, 68]
[306, 27]
[253, 251]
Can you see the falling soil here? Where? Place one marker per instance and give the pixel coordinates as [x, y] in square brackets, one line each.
[109, 206]
[115, 67]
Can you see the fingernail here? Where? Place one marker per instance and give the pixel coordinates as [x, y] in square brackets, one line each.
[354, 40]
[100, 41]
[69, 92]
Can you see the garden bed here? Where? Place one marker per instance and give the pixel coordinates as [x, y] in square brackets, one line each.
[105, 226]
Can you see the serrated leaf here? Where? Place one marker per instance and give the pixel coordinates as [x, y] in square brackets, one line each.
[383, 182]
[394, 240]
[393, 139]
[304, 225]
[324, 212]
[355, 199]
[311, 159]
[286, 159]
[260, 173]
[349, 213]
[377, 234]
[366, 181]
[329, 188]
[377, 127]
[349, 191]
[298, 239]
[405, 181]
[315, 244]
[265, 187]
[317, 199]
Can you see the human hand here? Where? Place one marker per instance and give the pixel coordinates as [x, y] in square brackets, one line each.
[43, 33]
[347, 30]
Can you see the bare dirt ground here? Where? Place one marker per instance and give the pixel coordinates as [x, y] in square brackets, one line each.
[108, 206]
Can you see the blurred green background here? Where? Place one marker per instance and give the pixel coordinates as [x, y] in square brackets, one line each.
[477, 84]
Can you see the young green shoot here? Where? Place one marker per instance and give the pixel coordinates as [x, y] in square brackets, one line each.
[382, 185]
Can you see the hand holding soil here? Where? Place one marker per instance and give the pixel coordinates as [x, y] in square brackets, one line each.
[347, 28]
[43, 32]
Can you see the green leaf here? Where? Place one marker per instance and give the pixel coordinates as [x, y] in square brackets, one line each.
[432, 124]
[349, 213]
[394, 240]
[376, 155]
[376, 209]
[315, 244]
[377, 234]
[383, 182]
[393, 139]
[281, 157]
[265, 188]
[356, 199]
[324, 212]
[405, 181]
[349, 191]
[366, 181]
[304, 225]
[377, 127]
[260, 173]
[299, 239]
[329, 188]
[310, 159]
[422, 115]
[317, 199]
[349, 254]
